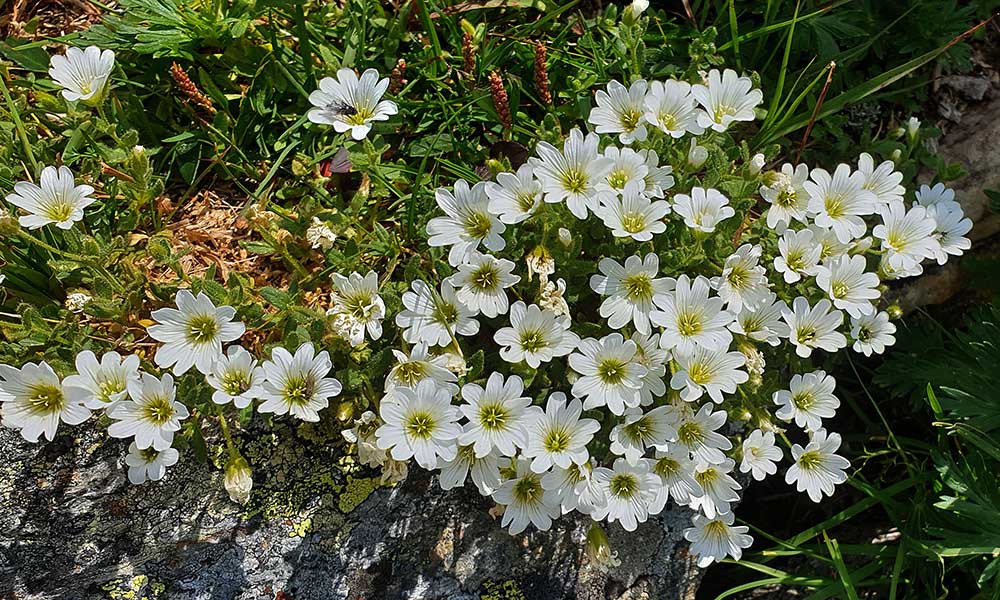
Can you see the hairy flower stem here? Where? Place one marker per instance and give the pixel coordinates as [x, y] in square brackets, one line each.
[84, 260]
[15, 117]
[233, 452]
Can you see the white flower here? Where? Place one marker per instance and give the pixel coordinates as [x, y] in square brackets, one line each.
[485, 471]
[630, 290]
[872, 333]
[558, 436]
[907, 235]
[83, 74]
[760, 455]
[152, 414]
[620, 110]
[362, 434]
[417, 366]
[298, 385]
[808, 400]
[432, 318]
[514, 197]
[712, 371]
[743, 281]
[697, 155]
[762, 324]
[421, 424]
[497, 415]
[883, 181]
[149, 464]
[671, 107]
[535, 335]
[358, 297]
[817, 469]
[573, 174]
[839, 201]
[610, 375]
[703, 209]
[105, 382]
[912, 127]
[676, 470]
[658, 179]
[640, 431]
[719, 487]
[627, 167]
[56, 200]
[696, 432]
[573, 488]
[350, 103]
[799, 254]
[814, 327]
[35, 401]
[76, 301]
[714, 539]
[846, 283]
[939, 194]
[649, 354]
[481, 282]
[690, 318]
[830, 246]
[725, 99]
[467, 223]
[628, 489]
[193, 333]
[633, 214]
[787, 196]
[951, 225]
[526, 500]
[236, 378]
[319, 235]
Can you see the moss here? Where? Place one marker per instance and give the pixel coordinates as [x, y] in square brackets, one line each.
[501, 590]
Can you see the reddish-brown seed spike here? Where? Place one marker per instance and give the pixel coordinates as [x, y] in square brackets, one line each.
[469, 54]
[542, 74]
[190, 89]
[500, 101]
[396, 81]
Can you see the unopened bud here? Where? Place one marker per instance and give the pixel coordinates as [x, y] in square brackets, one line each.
[598, 549]
[697, 155]
[565, 237]
[239, 479]
[756, 164]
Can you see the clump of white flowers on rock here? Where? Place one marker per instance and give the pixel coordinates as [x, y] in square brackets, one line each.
[637, 315]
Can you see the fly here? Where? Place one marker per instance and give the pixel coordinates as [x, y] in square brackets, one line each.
[342, 109]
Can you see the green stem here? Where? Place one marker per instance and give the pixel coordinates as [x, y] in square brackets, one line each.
[21, 133]
[225, 434]
[89, 262]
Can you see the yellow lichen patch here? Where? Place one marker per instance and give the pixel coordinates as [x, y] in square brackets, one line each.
[137, 587]
[506, 590]
[355, 492]
[301, 528]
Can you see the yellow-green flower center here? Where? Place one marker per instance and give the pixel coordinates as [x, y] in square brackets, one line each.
[44, 399]
[834, 206]
[624, 485]
[235, 383]
[533, 340]
[485, 278]
[202, 329]
[689, 324]
[700, 373]
[839, 289]
[59, 211]
[638, 287]
[556, 441]
[618, 178]
[665, 467]
[445, 314]
[478, 225]
[493, 416]
[525, 201]
[806, 335]
[715, 529]
[630, 119]
[575, 181]
[528, 489]
[409, 373]
[640, 430]
[158, 410]
[803, 400]
[810, 460]
[690, 434]
[634, 222]
[420, 425]
[612, 371]
[298, 390]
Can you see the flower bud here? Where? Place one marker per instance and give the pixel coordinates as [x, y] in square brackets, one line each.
[756, 164]
[697, 155]
[239, 479]
[895, 311]
[565, 237]
[912, 127]
[598, 549]
[896, 155]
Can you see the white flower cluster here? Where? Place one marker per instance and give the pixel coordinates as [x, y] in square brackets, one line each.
[694, 335]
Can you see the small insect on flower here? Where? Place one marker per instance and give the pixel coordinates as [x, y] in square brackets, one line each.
[33, 400]
[298, 384]
[83, 74]
[193, 333]
[350, 103]
[57, 200]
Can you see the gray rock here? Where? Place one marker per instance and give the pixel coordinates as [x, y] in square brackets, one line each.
[317, 527]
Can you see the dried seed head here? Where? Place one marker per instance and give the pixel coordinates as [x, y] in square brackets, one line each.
[190, 89]
[469, 54]
[396, 81]
[542, 74]
[500, 101]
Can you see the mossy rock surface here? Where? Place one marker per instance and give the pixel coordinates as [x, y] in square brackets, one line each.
[317, 527]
